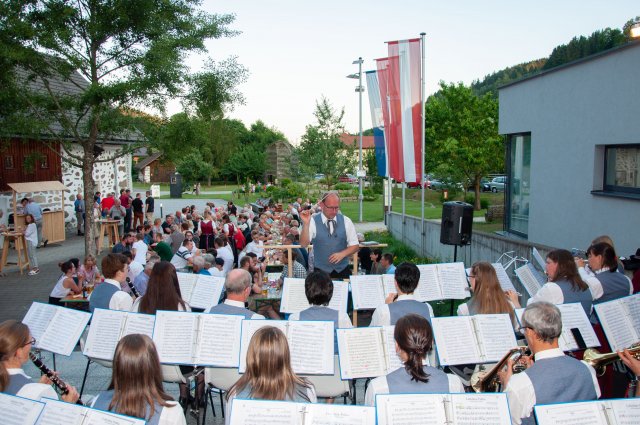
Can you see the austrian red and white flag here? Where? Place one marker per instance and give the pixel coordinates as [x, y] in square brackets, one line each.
[404, 127]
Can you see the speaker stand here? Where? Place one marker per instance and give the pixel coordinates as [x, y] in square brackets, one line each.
[455, 259]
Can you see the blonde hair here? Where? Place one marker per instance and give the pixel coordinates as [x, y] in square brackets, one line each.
[488, 297]
[13, 335]
[90, 257]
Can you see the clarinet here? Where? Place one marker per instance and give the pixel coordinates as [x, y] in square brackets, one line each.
[62, 387]
[134, 290]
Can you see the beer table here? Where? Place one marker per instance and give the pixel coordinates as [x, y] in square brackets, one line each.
[20, 246]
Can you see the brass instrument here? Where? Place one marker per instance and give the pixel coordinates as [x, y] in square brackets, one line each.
[600, 361]
[489, 382]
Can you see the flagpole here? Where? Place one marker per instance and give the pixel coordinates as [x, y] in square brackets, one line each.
[423, 124]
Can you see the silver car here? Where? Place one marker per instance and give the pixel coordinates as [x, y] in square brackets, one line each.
[497, 184]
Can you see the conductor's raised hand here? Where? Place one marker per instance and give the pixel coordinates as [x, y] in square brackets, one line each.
[305, 216]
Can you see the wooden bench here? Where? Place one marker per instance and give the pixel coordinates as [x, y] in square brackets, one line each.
[494, 212]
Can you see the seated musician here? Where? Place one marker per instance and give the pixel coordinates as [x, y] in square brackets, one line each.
[109, 294]
[136, 384]
[487, 296]
[403, 302]
[238, 287]
[15, 344]
[634, 366]
[554, 377]
[414, 340]
[606, 282]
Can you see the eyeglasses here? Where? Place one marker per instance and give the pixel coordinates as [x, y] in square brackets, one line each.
[522, 328]
[472, 276]
[32, 341]
[332, 208]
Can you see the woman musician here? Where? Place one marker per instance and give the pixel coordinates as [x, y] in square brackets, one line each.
[15, 345]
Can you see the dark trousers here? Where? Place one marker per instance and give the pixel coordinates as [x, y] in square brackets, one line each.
[127, 220]
[343, 274]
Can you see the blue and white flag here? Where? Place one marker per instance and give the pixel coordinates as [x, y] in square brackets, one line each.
[377, 121]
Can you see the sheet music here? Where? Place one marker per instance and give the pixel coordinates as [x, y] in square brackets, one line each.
[389, 284]
[453, 281]
[411, 409]
[98, 417]
[104, 333]
[18, 410]
[528, 279]
[138, 323]
[64, 331]
[174, 336]
[456, 341]
[263, 412]
[536, 256]
[294, 298]
[219, 343]
[336, 414]
[495, 335]
[616, 325]
[585, 413]
[361, 353]
[58, 412]
[249, 327]
[367, 291]
[186, 281]
[206, 292]
[573, 316]
[429, 284]
[626, 411]
[503, 278]
[38, 318]
[632, 305]
[340, 296]
[393, 360]
[480, 409]
[311, 346]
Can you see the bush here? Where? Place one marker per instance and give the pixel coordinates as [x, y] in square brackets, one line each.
[343, 186]
[471, 199]
[285, 182]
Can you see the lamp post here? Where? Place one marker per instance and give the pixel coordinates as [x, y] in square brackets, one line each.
[360, 173]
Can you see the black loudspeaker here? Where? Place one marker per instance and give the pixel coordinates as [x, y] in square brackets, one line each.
[457, 221]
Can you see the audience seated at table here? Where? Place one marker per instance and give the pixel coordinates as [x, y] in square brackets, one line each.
[66, 284]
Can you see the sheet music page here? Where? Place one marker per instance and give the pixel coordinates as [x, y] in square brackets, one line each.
[294, 299]
[264, 412]
[536, 256]
[411, 409]
[187, 281]
[366, 291]
[616, 326]
[429, 284]
[138, 323]
[249, 327]
[389, 284]
[311, 346]
[98, 417]
[540, 277]
[58, 412]
[527, 279]
[632, 305]
[219, 343]
[38, 318]
[336, 414]
[361, 353]
[495, 335]
[174, 334]
[104, 333]
[206, 292]
[626, 411]
[64, 331]
[456, 341]
[393, 360]
[573, 316]
[453, 281]
[503, 278]
[584, 413]
[340, 296]
[18, 410]
[480, 409]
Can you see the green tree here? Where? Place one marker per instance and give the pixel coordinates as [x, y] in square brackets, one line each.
[246, 162]
[462, 140]
[132, 53]
[193, 168]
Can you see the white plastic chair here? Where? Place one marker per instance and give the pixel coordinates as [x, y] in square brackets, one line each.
[331, 386]
[219, 379]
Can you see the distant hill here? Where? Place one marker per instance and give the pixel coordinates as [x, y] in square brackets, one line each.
[491, 82]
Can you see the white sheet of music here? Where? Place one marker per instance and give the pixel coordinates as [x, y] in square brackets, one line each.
[617, 323]
[632, 305]
[393, 360]
[58, 412]
[264, 412]
[582, 413]
[480, 409]
[104, 333]
[18, 410]
[249, 327]
[626, 411]
[206, 292]
[367, 291]
[528, 279]
[411, 409]
[334, 414]
[38, 318]
[361, 353]
[64, 330]
[174, 334]
[340, 296]
[389, 284]
[429, 288]
[186, 281]
[503, 278]
[219, 340]
[311, 345]
[573, 316]
[495, 336]
[138, 323]
[455, 340]
[453, 281]
[294, 299]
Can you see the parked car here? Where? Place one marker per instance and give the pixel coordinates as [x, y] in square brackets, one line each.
[426, 183]
[319, 176]
[484, 185]
[497, 184]
[348, 178]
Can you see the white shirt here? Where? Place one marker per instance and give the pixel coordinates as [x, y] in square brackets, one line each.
[31, 233]
[521, 394]
[59, 291]
[240, 304]
[352, 236]
[179, 259]
[255, 247]
[135, 269]
[380, 385]
[136, 306]
[227, 255]
[382, 317]
[595, 285]
[141, 252]
[170, 415]
[34, 390]
[120, 300]
[343, 319]
[215, 272]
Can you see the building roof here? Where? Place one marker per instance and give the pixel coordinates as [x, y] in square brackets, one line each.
[148, 160]
[354, 140]
[37, 186]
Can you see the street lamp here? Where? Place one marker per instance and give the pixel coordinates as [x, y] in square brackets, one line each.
[360, 173]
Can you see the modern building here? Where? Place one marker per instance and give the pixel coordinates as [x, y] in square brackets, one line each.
[573, 152]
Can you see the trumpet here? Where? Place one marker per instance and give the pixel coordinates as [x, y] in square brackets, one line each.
[489, 382]
[599, 361]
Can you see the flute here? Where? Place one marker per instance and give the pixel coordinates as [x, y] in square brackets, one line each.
[134, 290]
[62, 387]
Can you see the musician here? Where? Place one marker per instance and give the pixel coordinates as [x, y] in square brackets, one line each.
[414, 340]
[15, 343]
[163, 291]
[238, 287]
[109, 295]
[606, 283]
[564, 286]
[407, 276]
[634, 366]
[269, 375]
[554, 377]
[487, 295]
[136, 381]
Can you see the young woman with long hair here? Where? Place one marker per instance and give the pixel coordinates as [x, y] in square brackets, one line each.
[487, 295]
[15, 343]
[88, 271]
[163, 291]
[268, 375]
[65, 283]
[414, 340]
[136, 384]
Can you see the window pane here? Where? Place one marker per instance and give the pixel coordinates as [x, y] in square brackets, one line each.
[519, 183]
[623, 167]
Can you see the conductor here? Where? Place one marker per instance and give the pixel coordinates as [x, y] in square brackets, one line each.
[332, 235]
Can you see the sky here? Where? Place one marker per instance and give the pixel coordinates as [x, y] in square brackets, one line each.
[297, 51]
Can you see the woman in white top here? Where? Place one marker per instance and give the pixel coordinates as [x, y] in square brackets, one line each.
[31, 237]
[136, 384]
[65, 284]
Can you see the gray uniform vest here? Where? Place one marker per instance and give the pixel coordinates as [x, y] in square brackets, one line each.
[400, 382]
[16, 382]
[104, 399]
[324, 244]
[576, 296]
[231, 309]
[299, 394]
[614, 285]
[560, 380]
[401, 308]
[320, 313]
[101, 296]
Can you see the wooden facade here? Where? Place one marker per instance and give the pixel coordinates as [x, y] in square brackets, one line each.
[278, 160]
[28, 161]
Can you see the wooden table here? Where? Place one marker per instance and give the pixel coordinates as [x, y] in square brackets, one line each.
[108, 228]
[78, 303]
[20, 246]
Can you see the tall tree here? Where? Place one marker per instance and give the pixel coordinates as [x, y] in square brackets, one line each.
[462, 140]
[131, 52]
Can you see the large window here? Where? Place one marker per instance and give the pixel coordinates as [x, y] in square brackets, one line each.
[518, 184]
[622, 168]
